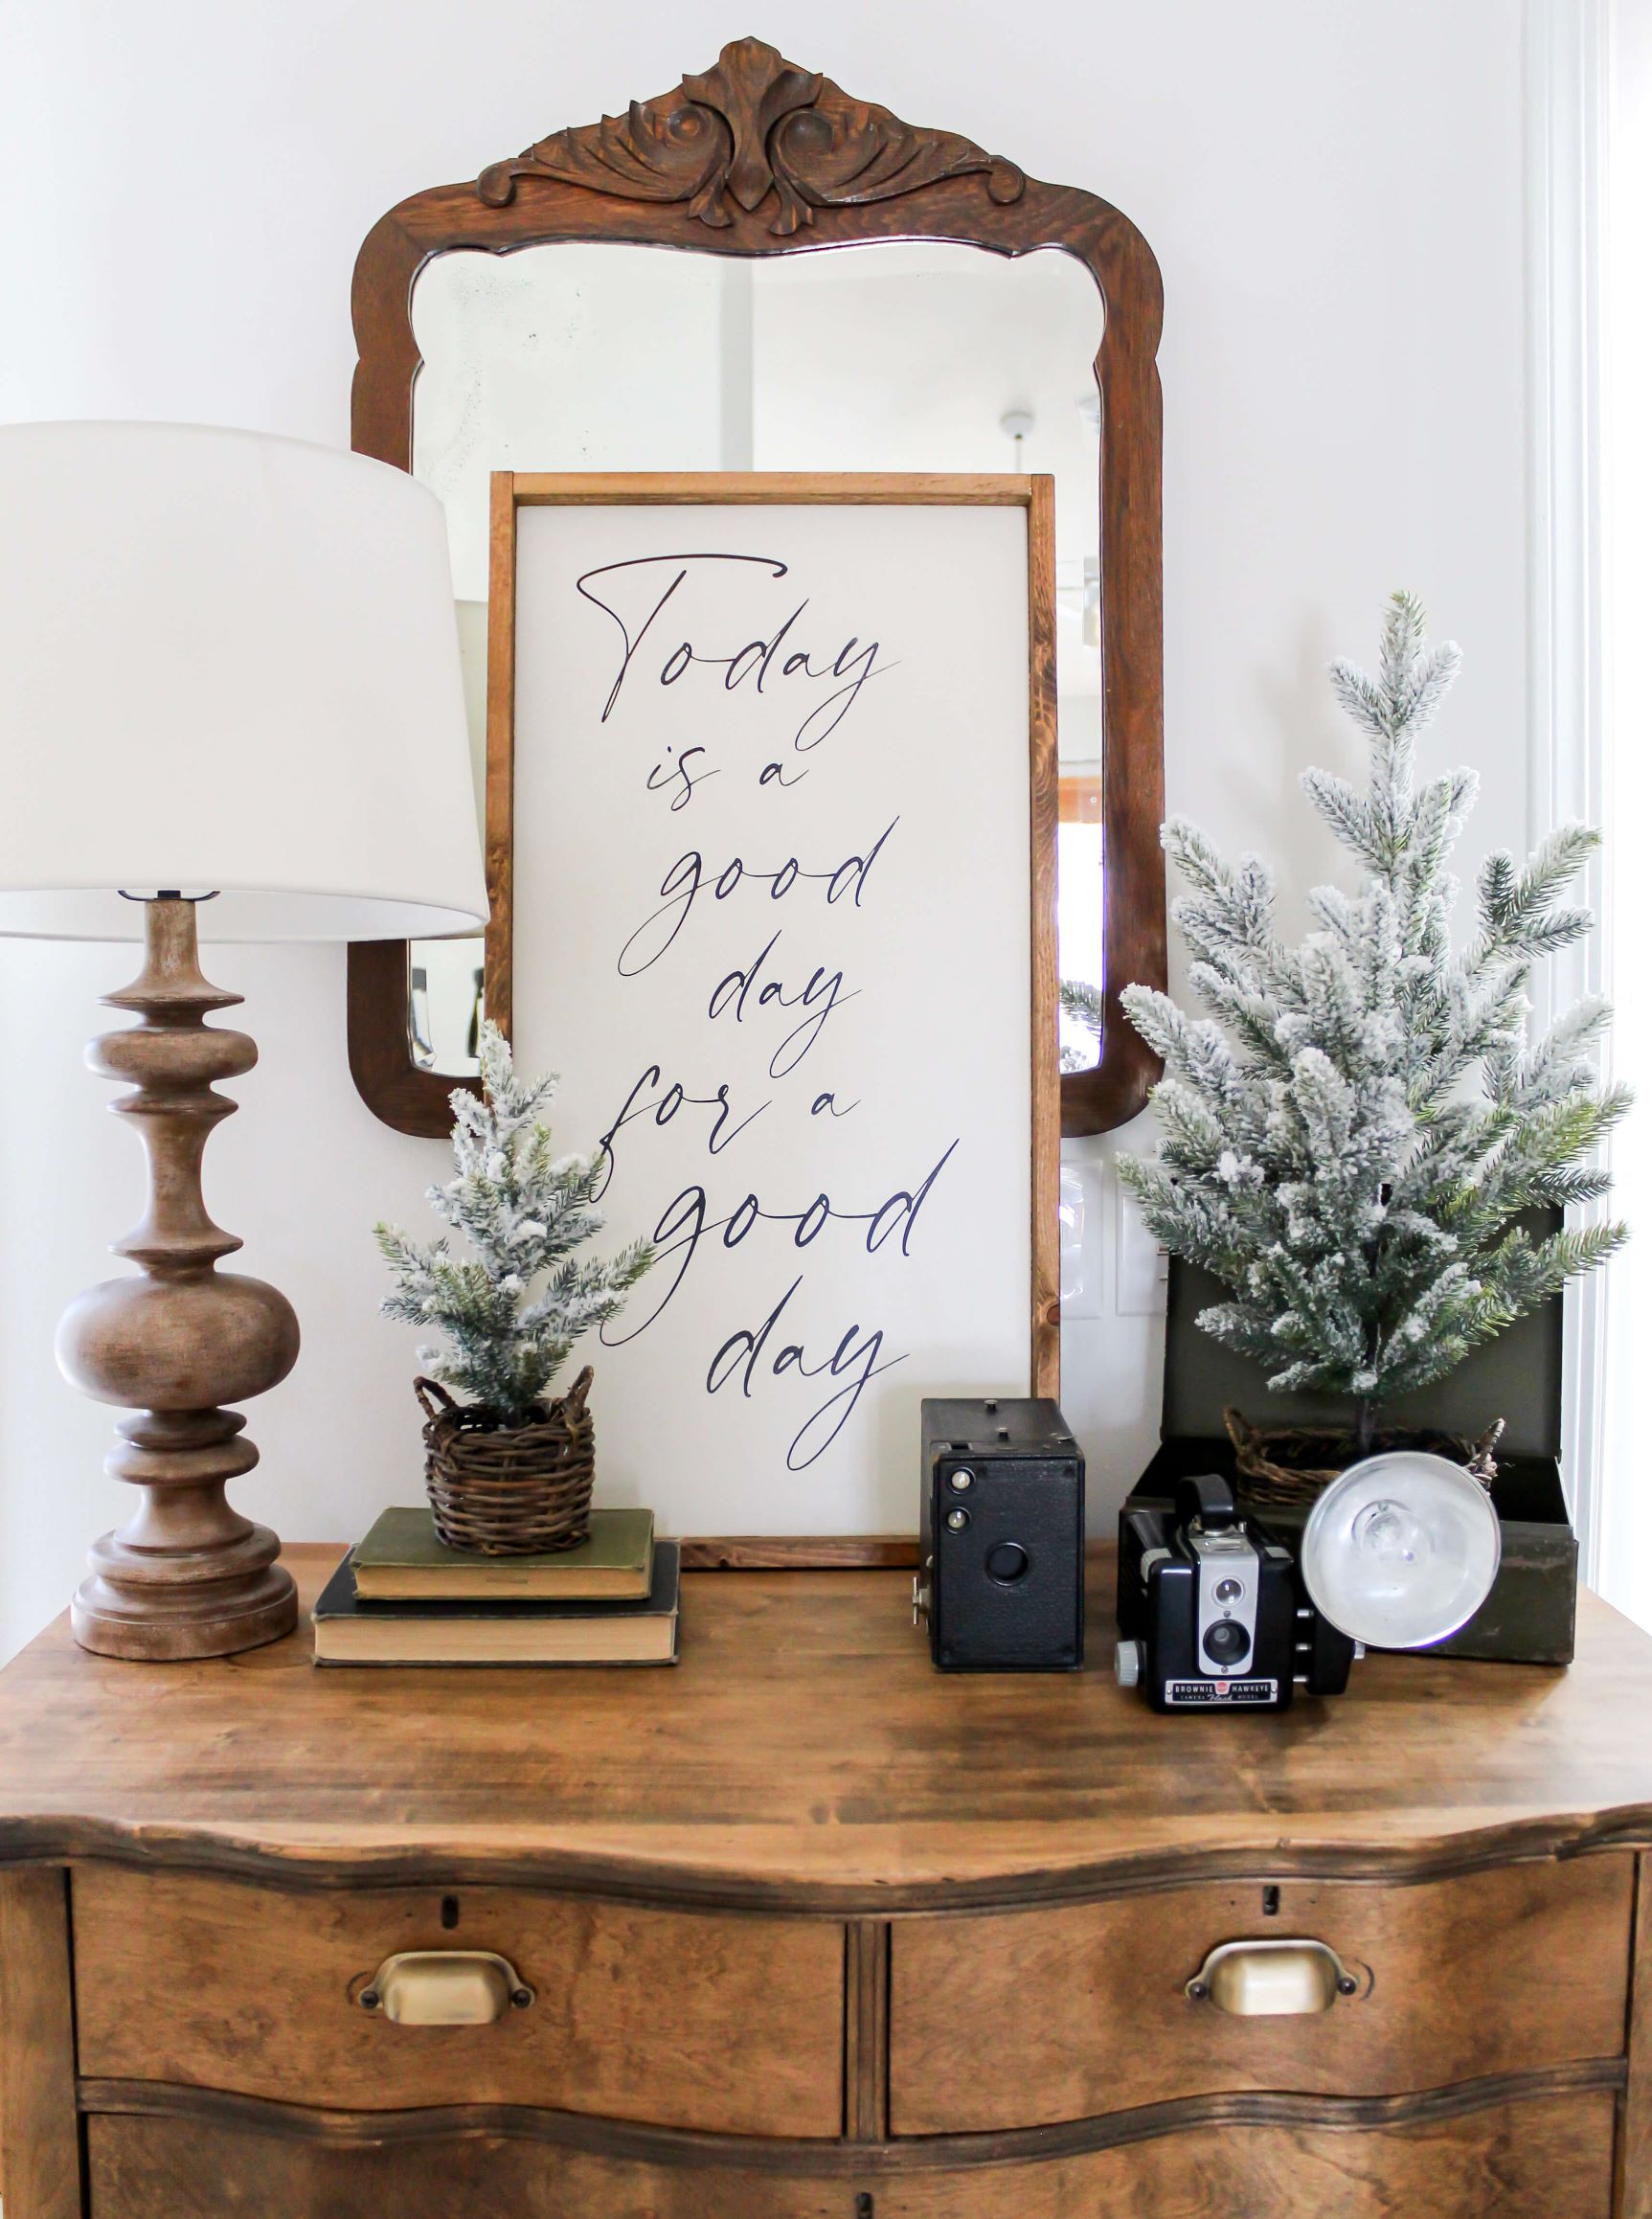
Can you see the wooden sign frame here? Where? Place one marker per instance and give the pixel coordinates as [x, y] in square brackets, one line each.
[511, 492]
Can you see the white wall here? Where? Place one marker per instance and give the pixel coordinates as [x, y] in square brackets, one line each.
[1334, 192]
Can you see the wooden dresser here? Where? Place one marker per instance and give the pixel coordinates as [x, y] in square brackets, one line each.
[803, 1930]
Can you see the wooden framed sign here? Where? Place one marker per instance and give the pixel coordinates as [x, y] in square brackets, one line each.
[772, 805]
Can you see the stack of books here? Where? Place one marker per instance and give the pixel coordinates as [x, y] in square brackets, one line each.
[403, 1598]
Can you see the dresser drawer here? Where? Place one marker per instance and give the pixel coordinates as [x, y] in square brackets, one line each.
[1016, 2019]
[727, 2023]
[1547, 2158]
[190, 2168]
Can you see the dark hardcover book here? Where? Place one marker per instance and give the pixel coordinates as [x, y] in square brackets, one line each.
[351, 1631]
[403, 1561]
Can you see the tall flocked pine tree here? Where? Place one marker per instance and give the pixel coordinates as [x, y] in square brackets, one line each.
[1326, 1150]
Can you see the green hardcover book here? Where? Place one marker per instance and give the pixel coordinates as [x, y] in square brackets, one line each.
[403, 1561]
[348, 1631]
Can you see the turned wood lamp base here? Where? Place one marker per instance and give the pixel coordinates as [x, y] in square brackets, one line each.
[162, 1606]
[186, 1576]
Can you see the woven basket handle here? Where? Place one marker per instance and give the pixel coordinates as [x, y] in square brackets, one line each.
[434, 1400]
[1483, 1463]
[573, 1402]
[1240, 1432]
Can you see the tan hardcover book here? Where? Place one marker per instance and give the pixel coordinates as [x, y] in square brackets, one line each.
[403, 1561]
[351, 1631]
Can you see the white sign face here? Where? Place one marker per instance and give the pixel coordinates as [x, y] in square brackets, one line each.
[772, 773]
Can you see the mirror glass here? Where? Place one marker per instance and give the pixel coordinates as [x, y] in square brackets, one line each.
[892, 356]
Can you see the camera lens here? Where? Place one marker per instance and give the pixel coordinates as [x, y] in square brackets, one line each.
[1006, 1560]
[1229, 1591]
[1226, 1642]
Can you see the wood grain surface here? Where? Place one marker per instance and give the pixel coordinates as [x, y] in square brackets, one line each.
[1518, 2152]
[1635, 2142]
[866, 2031]
[798, 1551]
[183, 2168]
[805, 1753]
[38, 2132]
[794, 488]
[178, 1339]
[1044, 1080]
[1463, 1978]
[683, 2018]
[1546, 2159]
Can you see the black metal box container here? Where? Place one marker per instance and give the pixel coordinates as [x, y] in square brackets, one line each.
[1003, 1536]
[1529, 1615]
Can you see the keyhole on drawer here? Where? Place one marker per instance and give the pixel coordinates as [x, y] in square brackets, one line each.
[450, 1912]
[1270, 1903]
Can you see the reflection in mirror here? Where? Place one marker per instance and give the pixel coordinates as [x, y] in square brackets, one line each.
[892, 356]
[444, 977]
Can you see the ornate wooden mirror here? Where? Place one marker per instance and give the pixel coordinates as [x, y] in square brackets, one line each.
[985, 321]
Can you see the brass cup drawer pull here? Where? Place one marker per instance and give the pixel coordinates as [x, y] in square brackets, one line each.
[1272, 1980]
[445, 1987]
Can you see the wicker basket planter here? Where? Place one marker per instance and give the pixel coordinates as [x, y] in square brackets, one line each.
[516, 1490]
[1288, 1466]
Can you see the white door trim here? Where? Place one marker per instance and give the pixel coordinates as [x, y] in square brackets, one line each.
[1566, 106]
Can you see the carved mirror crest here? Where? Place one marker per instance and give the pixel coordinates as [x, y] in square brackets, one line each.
[581, 357]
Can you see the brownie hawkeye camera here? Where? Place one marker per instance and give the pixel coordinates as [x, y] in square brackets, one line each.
[1213, 1613]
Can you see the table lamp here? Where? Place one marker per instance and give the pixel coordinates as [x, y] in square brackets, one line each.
[230, 703]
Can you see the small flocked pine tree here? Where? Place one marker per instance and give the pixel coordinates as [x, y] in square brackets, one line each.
[524, 1213]
[1324, 1151]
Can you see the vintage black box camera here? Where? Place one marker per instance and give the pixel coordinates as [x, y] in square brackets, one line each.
[1212, 1609]
[1002, 1519]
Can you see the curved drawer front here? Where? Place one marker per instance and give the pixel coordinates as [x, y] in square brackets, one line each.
[685, 2019]
[1536, 2160]
[1017, 2019]
[186, 2169]
[1550, 2159]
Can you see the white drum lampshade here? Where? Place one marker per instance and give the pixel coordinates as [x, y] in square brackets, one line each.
[229, 665]
[228, 686]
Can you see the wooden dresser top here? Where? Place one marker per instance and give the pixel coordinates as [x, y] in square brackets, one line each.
[804, 1753]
